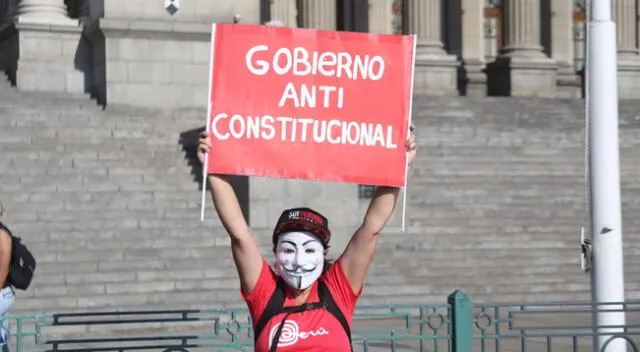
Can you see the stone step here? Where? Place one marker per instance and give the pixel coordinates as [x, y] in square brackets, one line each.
[429, 242]
[133, 199]
[215, 258]
[84, 107]
[112, 182]
[155, 282]
[505, 257]
[436, 234]
[509, 183]
[478, 297]
[514, 217]
[531, 151]
[441, 298]
[131, 222]
[62, 253]
[176, 299]
[89, 170]
[471, 214]
[115, 259]
[113, 179]
[94, 134]
[37, 222]
[109, 189]
[464, 221]
[71, 122]
[85, 143]
[106, 265]
[418, 221]
[149, 240]
[518, 166]
[495, 293]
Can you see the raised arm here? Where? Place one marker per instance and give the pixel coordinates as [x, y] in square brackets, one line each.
[244, 248]
[359, 253]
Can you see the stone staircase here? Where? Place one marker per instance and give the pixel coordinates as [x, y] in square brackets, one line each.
[109, 202]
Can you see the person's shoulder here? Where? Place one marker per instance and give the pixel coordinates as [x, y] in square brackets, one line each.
[333, 272]
[333, 264]
[6, 240]
[268, 268]
[267, 274]
[5, 233]
[265, 282]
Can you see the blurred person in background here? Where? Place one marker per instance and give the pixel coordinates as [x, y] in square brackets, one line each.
[7, 294]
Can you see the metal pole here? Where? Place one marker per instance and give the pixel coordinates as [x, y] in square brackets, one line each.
[607, 274]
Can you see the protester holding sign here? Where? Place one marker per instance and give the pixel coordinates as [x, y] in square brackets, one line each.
[304, 104]
[304, 303]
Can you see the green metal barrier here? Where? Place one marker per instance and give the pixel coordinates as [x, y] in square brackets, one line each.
[550, 326]
[457, 326]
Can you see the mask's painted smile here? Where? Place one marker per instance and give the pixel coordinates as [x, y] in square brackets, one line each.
[299, 271]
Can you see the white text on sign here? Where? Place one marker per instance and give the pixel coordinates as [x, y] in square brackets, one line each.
[299, 62]
[303, 130]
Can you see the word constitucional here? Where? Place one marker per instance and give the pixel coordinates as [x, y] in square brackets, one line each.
[284, 128]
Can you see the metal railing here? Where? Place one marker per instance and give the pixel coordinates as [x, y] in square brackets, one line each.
[457, 326]
[551, 326]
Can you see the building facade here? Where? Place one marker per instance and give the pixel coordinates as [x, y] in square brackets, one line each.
[156, 52]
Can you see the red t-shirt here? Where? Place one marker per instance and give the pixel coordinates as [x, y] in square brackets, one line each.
[308, 331]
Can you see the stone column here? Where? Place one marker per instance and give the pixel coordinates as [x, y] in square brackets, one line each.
[381, 16]
[473, 53]
[522, 28]
[436, 71]
[284, 11]
[319, 14]
[45, 44]
[522, 69]
[44, 9]
[562, 49]
[624, 15]
[425, 19]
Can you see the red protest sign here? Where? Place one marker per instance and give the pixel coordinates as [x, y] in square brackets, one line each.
[307, 104]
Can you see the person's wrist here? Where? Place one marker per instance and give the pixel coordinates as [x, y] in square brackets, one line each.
[219, 176]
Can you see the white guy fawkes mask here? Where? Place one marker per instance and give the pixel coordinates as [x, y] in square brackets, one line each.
[299, 258]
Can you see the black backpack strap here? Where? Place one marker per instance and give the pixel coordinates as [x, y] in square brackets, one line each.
[273, 308]
[289, 310]
[276, 337]
[330, 305]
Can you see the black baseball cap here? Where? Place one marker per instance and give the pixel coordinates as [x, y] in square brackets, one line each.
[303, 219]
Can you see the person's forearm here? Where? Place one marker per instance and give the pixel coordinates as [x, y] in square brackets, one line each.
[380, 209]
[227, 206]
